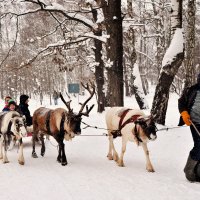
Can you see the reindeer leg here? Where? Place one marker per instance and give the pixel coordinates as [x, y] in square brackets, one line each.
[21, 156]
[112, 153]
[59, 149]
[149, 166]
[61, 152]
[43, 145]
[5, 158]
[1, 147]
[109, 155]
[12, 143]
[120, 161]
[63, 156]
[34, 136]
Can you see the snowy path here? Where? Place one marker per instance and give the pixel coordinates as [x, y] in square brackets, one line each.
[89, 175]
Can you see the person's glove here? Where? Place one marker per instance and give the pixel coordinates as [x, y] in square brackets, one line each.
[186, 118]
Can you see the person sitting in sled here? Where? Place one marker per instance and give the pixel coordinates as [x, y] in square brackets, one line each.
[189, 108]
[12, 106]
[24, 110]
[7, 98]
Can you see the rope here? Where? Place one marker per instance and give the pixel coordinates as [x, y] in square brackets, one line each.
[104, 134]
[195, 127]
[167, 128]
[162, 129]
[89, 126]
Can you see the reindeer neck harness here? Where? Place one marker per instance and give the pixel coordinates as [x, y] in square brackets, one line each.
[133, 118]
[48, 122]
[62, 132]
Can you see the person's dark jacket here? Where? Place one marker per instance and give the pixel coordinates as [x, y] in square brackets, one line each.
[23, 109]
[186, 100]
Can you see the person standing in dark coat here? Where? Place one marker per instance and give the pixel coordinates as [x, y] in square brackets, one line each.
[55, 97]
[189, 108]
[23, 108]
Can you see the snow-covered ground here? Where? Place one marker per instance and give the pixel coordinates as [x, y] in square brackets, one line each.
[89, 175]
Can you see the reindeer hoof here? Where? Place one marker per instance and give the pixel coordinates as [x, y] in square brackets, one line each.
[110, 157]
[34, 155]
[64, 163]
[151, 170]
[120, 164]
[116, 158]
[42, 154]
[6, 161]
[21, 162]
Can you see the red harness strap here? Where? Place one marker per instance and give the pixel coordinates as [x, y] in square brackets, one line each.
[131, 119]
[122, 118]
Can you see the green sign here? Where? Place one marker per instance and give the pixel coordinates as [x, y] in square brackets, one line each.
[73, 88]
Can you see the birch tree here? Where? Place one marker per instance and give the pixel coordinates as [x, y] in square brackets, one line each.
[171, 62]
[190, 44]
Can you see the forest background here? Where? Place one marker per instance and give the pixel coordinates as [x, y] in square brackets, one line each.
[125, 47]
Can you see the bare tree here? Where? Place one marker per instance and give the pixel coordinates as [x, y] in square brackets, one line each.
[113, 22]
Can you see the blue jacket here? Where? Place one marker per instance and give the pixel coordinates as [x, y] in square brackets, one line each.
[5, 109]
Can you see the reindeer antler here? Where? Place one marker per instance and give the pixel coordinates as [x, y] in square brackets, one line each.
[91, 90]
[66, 103]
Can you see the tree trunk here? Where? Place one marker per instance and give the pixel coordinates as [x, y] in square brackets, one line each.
[99, 69]
[169, 69]
[190, 44]
[113, 19]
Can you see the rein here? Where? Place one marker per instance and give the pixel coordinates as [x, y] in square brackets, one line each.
[48, 122]
[136, 133]
[168, 128]
[62, 130]
[195, 127]
[133, 118]
[104, 134]
[61, 123]
[96, 127]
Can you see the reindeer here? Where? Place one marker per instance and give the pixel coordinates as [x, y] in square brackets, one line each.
[12, 127]
[59, 123]
[131, 125]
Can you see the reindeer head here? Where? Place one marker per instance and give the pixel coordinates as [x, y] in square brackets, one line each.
[18, 126]
[148, 128]
[71, 125]
[73, 120]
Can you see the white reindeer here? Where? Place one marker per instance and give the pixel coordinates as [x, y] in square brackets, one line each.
[131, 125]
[12, 126]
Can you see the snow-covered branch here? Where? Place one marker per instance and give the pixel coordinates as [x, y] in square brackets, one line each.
[49, 47]
[14, 43]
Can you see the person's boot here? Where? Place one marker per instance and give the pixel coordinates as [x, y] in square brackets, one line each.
[190, 169]
[197, 171]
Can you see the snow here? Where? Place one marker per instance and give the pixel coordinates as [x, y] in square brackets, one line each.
[175, 47]
[90, 175]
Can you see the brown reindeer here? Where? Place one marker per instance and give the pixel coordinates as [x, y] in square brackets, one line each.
[60, 124]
